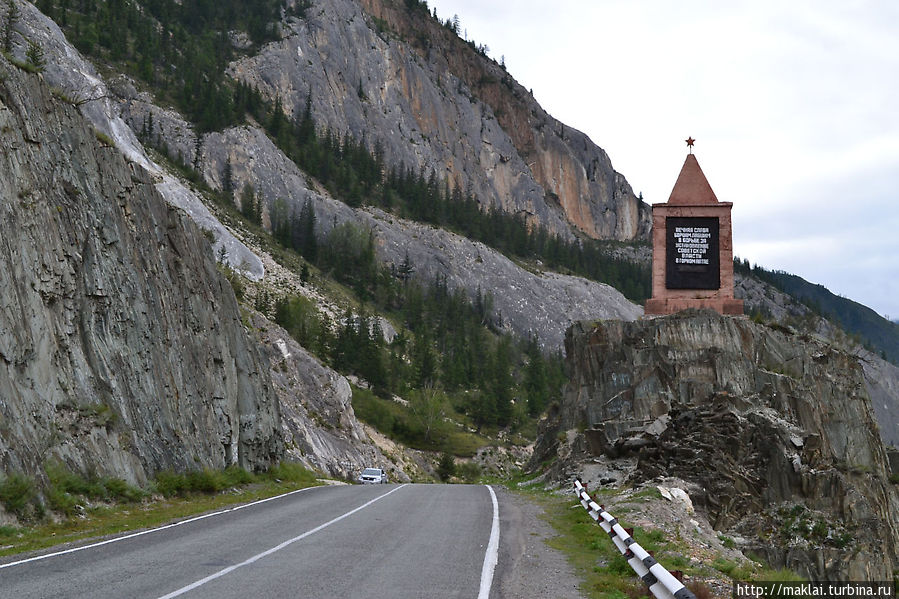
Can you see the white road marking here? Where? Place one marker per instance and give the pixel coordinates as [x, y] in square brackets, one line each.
[492, 555]
[151, 530]
[281, 546]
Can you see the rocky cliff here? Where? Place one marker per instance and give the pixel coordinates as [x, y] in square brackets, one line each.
[121, 346]
[75, 80]
[774, 430]
[395, 77]
[528, 302]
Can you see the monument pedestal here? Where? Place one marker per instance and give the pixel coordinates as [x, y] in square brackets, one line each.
[692, 249]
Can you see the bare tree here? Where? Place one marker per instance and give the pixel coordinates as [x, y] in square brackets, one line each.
[429, 407]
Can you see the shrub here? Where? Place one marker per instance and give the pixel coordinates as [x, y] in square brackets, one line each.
[700, 589]
[170, 484]
[62, 501]
[206, 481]
[236, 476]
[8, 531]
[446, 468]
[470, 472]
[66, 485]
[16, 491]
[103, 138]
[292, 472]
[119, 490]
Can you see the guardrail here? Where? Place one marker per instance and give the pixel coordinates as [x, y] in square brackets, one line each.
[660, 581]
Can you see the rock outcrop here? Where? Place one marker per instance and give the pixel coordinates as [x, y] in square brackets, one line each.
[122, 351]
[393, 76]
[775, 430]
[882, 380]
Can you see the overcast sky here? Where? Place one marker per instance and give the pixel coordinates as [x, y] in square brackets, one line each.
[794, 106]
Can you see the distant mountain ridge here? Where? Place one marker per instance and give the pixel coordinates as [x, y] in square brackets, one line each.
[873, 330]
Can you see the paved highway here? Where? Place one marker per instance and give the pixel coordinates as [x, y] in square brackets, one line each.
[391, 541]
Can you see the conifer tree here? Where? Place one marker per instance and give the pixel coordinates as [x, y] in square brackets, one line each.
[12, 17]
[228, 182]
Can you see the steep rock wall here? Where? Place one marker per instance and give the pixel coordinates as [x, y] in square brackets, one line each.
[75, 78]
[121, 346]
[399, 79]
[774, 429]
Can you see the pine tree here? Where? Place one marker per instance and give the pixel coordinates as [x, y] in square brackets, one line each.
[35, 55]
[406, 269]
[12, 17]
[228, 183]
[308, 244]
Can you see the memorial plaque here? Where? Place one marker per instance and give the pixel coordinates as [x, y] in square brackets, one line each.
[692, 253]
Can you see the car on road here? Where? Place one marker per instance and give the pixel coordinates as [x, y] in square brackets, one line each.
[373, 476]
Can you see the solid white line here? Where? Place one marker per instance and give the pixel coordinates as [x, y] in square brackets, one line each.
[274, 549]
[492, 555]
[150, 530]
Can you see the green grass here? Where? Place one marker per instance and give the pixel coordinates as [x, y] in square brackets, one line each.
[16, 492]
[603, 571]
[103, 520]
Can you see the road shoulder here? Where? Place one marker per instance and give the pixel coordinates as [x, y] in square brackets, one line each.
[529, 567]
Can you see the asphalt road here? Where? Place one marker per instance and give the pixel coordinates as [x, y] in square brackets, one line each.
[390, 541]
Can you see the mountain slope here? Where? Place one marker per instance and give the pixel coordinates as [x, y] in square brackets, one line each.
[874, 331]
[396, 78]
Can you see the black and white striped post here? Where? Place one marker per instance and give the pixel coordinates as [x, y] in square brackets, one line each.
[660, 581]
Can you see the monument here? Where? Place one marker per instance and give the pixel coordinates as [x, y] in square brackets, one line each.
[692, 248]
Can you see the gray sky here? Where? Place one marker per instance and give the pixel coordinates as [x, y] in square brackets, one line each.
[794, 106]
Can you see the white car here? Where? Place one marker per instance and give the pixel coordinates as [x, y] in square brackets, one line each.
[372, 476]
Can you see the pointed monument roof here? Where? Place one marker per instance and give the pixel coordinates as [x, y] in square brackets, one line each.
[692, 188]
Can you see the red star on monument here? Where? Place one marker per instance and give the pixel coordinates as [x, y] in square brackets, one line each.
[690, 141]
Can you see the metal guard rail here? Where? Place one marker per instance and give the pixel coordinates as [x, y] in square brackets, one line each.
[659, 580]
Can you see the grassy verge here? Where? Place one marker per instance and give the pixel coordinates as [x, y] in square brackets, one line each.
[171, 500]
[603, 571]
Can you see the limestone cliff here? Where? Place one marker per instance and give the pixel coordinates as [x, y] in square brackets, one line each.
[394, 77]
[121, 346]
[775, 431]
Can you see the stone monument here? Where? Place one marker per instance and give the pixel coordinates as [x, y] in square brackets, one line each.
[692, 248]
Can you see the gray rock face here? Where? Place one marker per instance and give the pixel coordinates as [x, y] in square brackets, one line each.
[317, 419]
[76, 79]
[528, 302]
[881, 377]
[446, 109]
[121, 346]
[882, 381]
[776, 431]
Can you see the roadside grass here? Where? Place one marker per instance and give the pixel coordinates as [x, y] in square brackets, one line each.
[166, 501]
[603, 571]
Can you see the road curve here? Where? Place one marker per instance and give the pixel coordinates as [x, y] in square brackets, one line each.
[343, 541]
